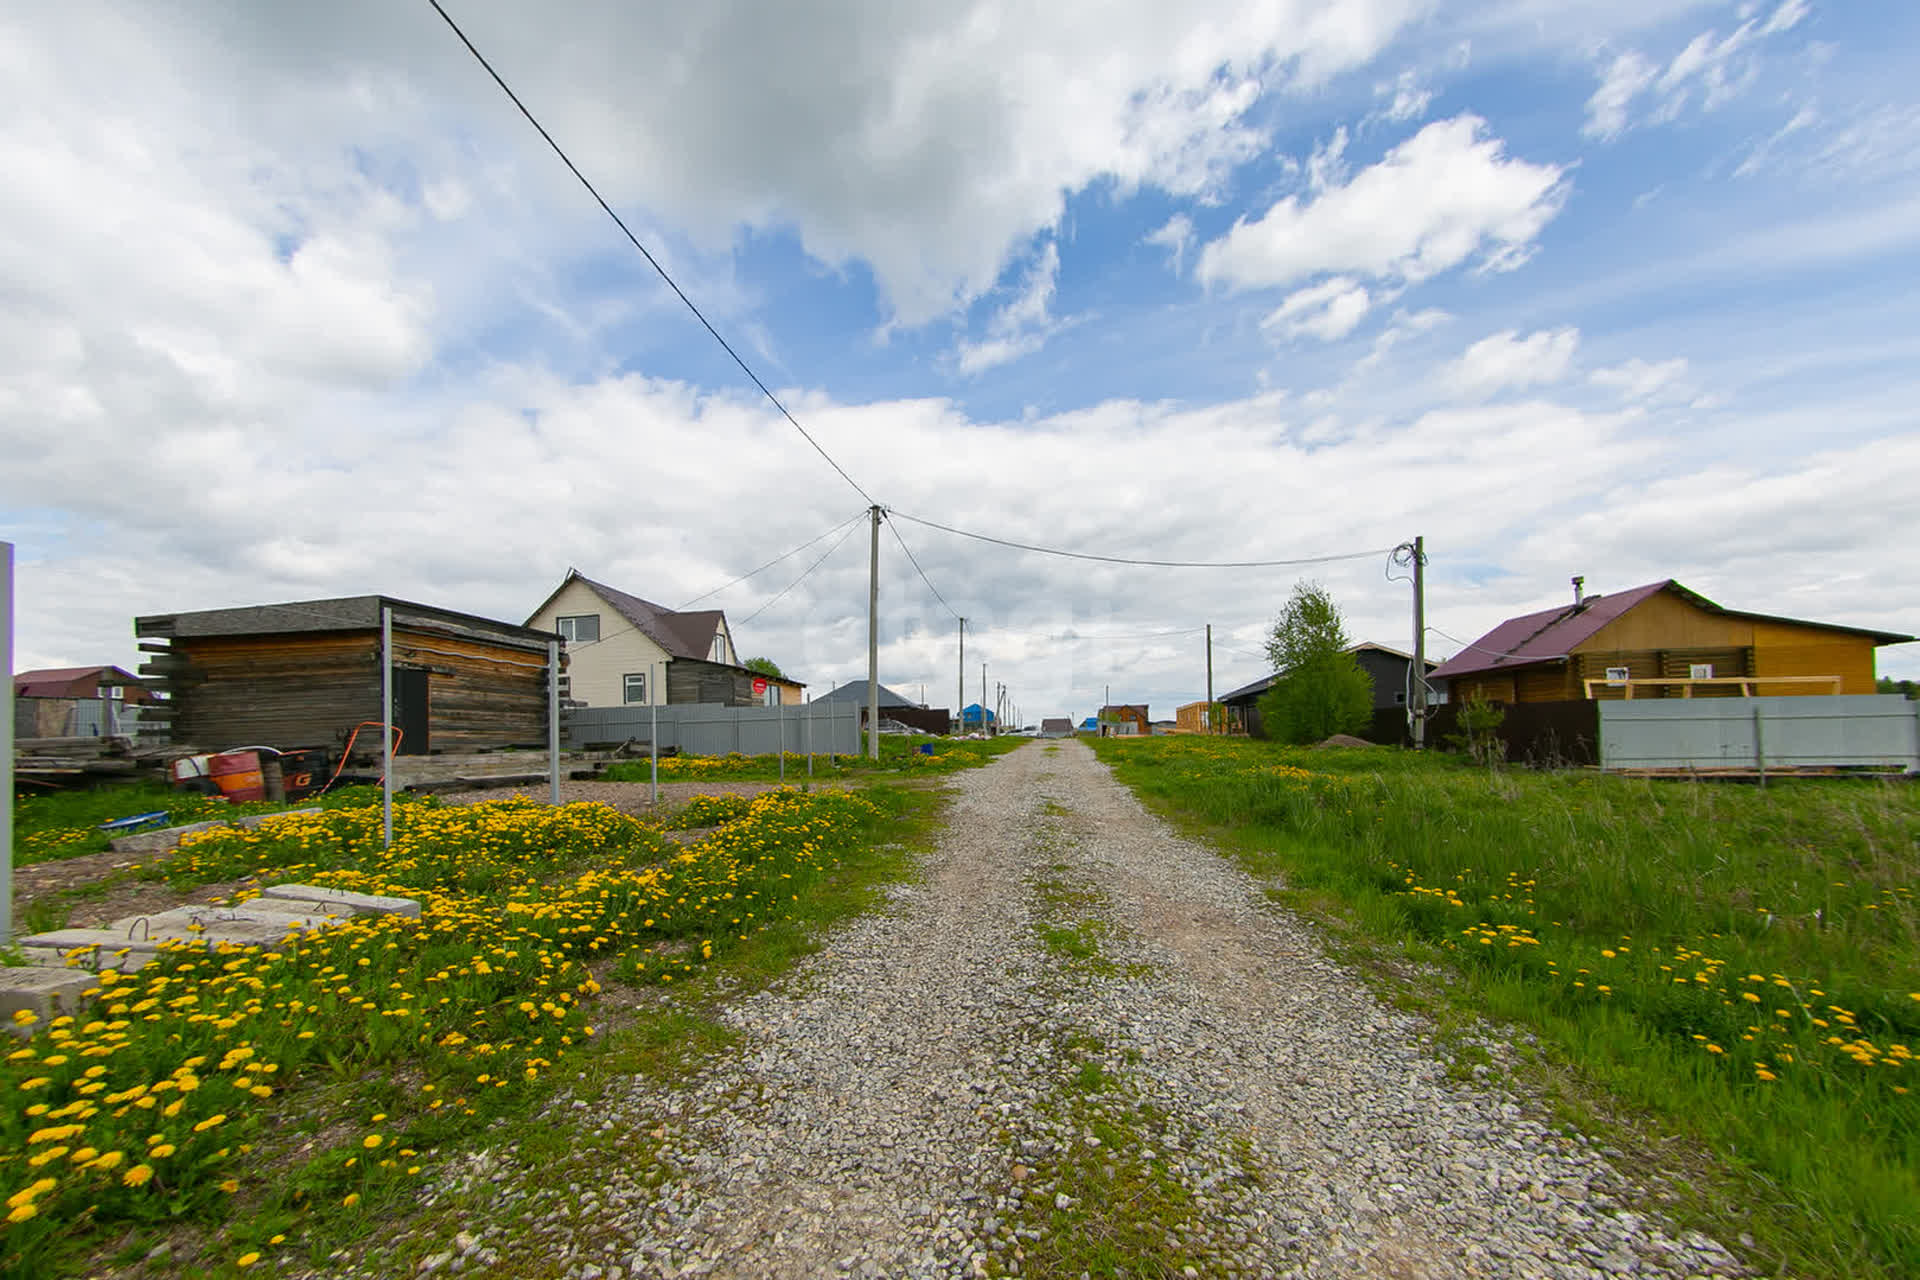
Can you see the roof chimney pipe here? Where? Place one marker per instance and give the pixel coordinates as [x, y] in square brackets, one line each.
[1579, 589]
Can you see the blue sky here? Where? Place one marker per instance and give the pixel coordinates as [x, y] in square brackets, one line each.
[295, 304]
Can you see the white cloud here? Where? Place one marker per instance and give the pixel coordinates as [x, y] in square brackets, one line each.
[1638, 379]
[1442, 197]
[926, 139]
[1717, 68]
[1409, 99]
[1625, 77]
[1507, 360]
[1175, 236]
[1328, 311]
[1021, 326]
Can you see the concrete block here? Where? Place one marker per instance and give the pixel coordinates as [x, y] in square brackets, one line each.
[293, 907]
[158, 841]
[253, 820]
[364, 903]
[115, 949]
[204, 926]
[46, 993]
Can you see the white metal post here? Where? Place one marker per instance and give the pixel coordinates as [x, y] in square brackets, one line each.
[653, 752]
[553, 721]
[780, 730]
[809, 735]
[873, 642]
[6, 745]
[386, 725]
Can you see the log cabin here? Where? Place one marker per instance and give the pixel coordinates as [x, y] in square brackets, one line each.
[307, 673]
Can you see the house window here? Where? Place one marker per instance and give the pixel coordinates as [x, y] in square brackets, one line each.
[581, 628]
[720, 646]
[772, 696]
[636, 687]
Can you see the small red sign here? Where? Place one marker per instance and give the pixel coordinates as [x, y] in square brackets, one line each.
[759, 686]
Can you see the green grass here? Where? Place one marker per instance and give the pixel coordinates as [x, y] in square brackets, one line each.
[66, 824]
[900, 755]
[1723, 970]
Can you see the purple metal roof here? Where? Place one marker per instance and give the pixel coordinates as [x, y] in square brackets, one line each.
[1549, 634]
[1556, 633]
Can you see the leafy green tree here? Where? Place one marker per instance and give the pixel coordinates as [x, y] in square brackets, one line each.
[1323, 689]
[766, 667]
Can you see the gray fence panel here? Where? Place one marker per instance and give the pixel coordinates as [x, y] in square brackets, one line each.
[708, 729]
[1746, 733]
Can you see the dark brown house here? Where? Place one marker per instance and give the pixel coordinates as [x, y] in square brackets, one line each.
[1125, 719]
[306, 674]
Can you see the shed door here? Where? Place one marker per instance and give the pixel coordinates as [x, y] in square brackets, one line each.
[410, 710]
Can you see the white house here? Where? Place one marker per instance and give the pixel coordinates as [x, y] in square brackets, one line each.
[623, 650]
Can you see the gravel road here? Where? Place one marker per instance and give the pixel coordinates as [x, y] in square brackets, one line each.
[1078, 1037]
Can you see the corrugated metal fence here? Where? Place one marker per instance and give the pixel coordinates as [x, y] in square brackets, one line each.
[1760, 733]
[709, 729]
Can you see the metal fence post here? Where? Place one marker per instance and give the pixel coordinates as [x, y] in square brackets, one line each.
[6, 745]
[386, 725]
[780, 736]
[653, 752]
[810, 736]
[1759, 747]
[553, 721]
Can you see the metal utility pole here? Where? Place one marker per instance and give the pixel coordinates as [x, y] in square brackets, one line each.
[6, 745]
[873, 639]
[983, 697]
[960, 686]
[386, 726]
[1210, 725]
[553, 722]
[1418, 706]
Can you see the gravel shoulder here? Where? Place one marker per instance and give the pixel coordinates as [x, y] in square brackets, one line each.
[1077, 1032]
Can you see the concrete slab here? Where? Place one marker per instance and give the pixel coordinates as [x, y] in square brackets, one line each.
[225, 924]
[158, 841]
[46, 993]
[296, 907]
[252, 820]
[115, 950]
[364, 903]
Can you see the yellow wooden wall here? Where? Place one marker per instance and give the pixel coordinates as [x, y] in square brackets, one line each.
[1666, 621]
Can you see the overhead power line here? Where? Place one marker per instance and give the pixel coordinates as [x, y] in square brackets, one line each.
[804, 573]
[922, 572]
[651, 260]
[1159, 564]
[858, 515]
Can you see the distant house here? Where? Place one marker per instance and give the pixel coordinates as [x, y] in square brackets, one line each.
[307, 673]
[76, 702]
[973, 716]
[1056, 727]
[626, 651]
[1196, 717]
[1390, 670]
[902, 711]
[1125, 720]
[1661, 641]
[1090, 725]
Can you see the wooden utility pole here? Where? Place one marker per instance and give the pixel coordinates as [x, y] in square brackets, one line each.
[1418, 709]
[873, 639]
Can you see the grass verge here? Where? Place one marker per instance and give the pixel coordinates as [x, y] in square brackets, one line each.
[247, 1106]
[900, 754]
[1728, 977]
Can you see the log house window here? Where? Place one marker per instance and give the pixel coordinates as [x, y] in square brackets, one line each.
[636, 687]
[580, 628]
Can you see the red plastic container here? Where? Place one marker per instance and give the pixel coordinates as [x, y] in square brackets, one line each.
[237, 774]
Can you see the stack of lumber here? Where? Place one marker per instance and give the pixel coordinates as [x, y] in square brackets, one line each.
[81, 761]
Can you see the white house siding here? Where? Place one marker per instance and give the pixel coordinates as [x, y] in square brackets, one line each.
[597, 672]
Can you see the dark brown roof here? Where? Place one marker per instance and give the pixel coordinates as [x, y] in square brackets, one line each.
[59, 682]
[345, 613]
[1553, 634]
[682, 635]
